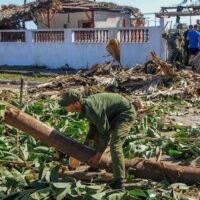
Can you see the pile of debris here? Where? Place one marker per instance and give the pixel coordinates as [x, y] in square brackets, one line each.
[166, 81]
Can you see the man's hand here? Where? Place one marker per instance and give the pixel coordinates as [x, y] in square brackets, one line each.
[73, 163]
[96, 159]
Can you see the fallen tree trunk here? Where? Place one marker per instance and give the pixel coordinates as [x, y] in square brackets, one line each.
[141, 168]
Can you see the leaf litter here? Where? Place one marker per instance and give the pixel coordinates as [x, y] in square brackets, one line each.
[162, 95]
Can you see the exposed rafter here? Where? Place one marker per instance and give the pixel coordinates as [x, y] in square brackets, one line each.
[173, 11]
[11, 14]
[30, 12]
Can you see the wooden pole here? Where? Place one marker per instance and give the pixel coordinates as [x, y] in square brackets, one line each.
[21, 91]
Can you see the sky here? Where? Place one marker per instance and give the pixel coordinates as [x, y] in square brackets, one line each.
[146, 6]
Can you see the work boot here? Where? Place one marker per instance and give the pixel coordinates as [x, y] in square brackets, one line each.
[117, 184]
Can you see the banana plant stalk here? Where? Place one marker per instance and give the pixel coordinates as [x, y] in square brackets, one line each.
[140, 168]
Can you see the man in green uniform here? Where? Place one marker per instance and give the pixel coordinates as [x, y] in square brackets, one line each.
[175, 42]
[110, 118]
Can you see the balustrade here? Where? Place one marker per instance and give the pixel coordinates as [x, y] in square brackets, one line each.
[48, 36]
[10, 36]
[134, 36]
[91, 36]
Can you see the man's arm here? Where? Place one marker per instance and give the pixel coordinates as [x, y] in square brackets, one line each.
[103, 127]
[99, 119]
[89, 140]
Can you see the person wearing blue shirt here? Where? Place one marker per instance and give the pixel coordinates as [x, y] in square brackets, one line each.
[194, 39]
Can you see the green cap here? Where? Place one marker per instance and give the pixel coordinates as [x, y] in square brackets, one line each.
[70, 96]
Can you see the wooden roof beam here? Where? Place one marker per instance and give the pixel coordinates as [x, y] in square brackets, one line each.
[174, 14]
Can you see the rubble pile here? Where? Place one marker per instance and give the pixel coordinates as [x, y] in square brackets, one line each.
[166, 81]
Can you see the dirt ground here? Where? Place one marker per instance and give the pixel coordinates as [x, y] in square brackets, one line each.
[186, 117]
[14, 88]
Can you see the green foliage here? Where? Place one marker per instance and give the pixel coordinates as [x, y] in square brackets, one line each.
[51, 113]
[29, 169]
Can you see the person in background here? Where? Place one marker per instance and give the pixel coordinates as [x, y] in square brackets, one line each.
[194, 39]
[186, 44]
[175, 42]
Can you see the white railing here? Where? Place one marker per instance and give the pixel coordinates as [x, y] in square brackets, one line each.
[78, 47]
[134, 35]
[140, 35]
[90, 36]
[48, 36]
[12, 36]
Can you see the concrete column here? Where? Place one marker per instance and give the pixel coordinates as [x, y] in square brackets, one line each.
[29, 37]
[162, 23]
[113, 33]
[68, 37]
[162, 41]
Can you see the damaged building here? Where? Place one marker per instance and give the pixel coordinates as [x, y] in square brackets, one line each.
[73, 30]
[57, 14]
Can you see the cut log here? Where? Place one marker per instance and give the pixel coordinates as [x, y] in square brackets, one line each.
[141, 168]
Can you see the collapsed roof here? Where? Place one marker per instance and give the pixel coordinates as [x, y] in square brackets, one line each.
[13, 14]
[173, 11]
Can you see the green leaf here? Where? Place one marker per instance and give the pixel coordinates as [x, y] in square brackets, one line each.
[63, 192]
[54, 174]
[30, 176]
[61, 185]
[2, 196]
[2, 110]
[175, 153]
[40, 194]
[42, 149]
[39, 185]
[12, 196]
[73, 193]
[138, 193]
[80, 188]
[97, 196]
[116, 196]
[37, 108]
[93, 189]
[181, 133]
[11, 182]
[151, 193]
[180, 186]
[25, 194]
[24, 151]
[18, 176]
[45, 174]
[11, 155]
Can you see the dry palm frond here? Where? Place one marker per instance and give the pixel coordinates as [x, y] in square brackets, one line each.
[165, 67]
[113, 47]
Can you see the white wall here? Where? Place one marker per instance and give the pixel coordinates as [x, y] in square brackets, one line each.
[77, 55]
[102, 19]
[139, 53]
[110, 19]
[70, 19]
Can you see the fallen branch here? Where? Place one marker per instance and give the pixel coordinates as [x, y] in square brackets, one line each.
[13, 162]
[87, 176]
[171, 138]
